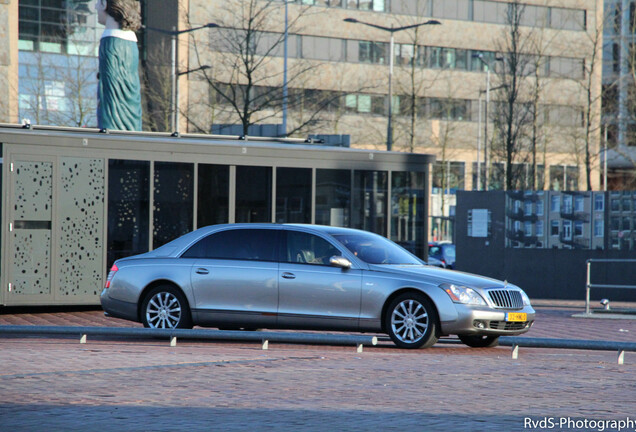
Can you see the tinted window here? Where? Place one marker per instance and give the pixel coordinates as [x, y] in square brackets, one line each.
[375, 249]
[304, 248]
[237, 244]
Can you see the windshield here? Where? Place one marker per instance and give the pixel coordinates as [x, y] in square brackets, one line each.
[374, 249]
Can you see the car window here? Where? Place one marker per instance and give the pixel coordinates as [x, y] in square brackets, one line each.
[305, 248]
[449, 251]
[434, 250]
[237, 244]
[375, 249]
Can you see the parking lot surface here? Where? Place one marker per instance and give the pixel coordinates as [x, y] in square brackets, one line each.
[57, 384]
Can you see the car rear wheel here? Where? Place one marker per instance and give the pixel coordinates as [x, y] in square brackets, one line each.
[480, 341]
[165, 307]
[411, 321]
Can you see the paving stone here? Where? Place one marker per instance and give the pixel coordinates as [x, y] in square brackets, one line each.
[57, 384]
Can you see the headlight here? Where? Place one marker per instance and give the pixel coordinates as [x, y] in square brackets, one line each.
[461, 294]
[525, 298]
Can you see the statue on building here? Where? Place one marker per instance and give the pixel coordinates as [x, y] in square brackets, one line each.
[119, 90]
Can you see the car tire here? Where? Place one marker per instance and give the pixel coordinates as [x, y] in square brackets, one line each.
[411, 321]
[166, 307]
[479, 341]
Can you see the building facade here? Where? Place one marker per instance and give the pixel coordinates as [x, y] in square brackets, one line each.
[619, 106]
[74, 200]
[337, 79]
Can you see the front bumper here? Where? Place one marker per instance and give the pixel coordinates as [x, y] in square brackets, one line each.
[476, 320]
[117, 308]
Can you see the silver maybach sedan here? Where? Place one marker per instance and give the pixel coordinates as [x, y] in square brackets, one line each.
[248, 276]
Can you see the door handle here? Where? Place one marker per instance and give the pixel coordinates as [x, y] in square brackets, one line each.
[288, 275]
[203, 271]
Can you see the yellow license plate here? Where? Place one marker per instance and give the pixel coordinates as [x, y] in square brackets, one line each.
[516, 317]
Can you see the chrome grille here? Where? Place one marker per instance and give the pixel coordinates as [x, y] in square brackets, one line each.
[506, 299]
[503, 325]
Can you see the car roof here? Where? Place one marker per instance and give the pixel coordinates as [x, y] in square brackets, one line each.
[179, 244]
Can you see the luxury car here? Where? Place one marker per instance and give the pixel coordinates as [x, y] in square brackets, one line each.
[248, 276]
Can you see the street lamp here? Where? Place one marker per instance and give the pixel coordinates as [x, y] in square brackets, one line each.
[391, 30]
[480, 56]
[174, 34]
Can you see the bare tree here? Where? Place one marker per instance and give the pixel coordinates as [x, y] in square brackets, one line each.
[592, 101]
[247, 73]
[156, 91]
[512, 114]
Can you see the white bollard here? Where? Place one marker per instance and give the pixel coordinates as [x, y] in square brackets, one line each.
[83, 339]
[621, 357]
[515, 352]
[173, 341]
[265, 344]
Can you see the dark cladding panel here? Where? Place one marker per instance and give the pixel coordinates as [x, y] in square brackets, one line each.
[128, 208]
[173, 201]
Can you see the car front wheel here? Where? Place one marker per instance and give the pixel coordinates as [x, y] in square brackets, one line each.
[480, 341]
[165, 307]
[411, 321]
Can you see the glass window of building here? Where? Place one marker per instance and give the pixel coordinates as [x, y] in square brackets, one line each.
[369, 209]
[626, 204]
[451, 9]
[497, 176]
[555, 203]
[490, 12]
[448, 177]
[322, 48]
[540, 208]
[578, 203]
[293, 195]
[599, 228]
[599, 202]
[173, 201]
[527, 229]
[578, 228]
[554, 228]
[557, 177]
[567, 230]
[407, 211]
[627, 223]
[253, 194]
[567, 204]
[615, 204]
[527, 208]
[128, 208]
[333, 197]
[567, 19]
[213, 196]
[539, 228]
[615, 224]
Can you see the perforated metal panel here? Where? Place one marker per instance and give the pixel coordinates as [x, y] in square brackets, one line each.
[31, 235]
[81, 230]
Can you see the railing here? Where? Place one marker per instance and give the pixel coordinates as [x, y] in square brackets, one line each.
[204, 334]
[589, 285]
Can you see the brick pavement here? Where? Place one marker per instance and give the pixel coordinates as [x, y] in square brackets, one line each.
[57, 384]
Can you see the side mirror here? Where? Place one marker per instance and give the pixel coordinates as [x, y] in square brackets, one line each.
[340, 261]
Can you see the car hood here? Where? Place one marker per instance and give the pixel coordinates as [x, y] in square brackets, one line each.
[438, 275]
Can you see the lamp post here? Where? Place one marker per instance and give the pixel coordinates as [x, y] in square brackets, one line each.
[285, 55]
[391, 30]
[487, 91]
[174, 34]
